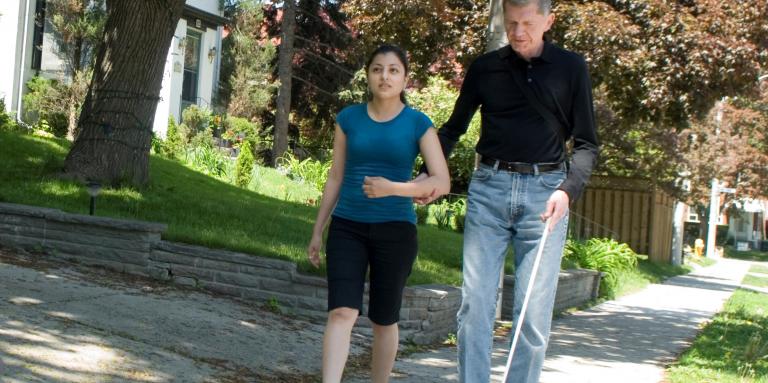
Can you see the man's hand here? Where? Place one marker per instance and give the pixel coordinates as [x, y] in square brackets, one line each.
[557, 205]
[377, 187]
[425, 199]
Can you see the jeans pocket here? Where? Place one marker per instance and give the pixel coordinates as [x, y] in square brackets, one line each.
[552, 180]
[482, 173]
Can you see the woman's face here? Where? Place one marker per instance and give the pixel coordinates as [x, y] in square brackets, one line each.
[386, 76]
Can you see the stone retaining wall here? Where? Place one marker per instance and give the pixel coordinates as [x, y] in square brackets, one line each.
[428, 312]
[574, 288]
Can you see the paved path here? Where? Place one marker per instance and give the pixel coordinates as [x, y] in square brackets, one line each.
[629, 340]
[64, 324]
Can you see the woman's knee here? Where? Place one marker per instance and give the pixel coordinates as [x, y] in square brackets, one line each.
[343, 315]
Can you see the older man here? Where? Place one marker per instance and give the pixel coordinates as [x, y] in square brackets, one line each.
[534, 96]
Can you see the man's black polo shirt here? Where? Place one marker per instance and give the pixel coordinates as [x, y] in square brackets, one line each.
[512, 130]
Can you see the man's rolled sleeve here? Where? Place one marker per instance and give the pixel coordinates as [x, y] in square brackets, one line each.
[585, 145]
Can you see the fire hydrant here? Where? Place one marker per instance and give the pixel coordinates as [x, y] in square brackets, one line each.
[698, 247]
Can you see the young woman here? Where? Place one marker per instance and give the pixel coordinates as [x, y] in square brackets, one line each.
[373, 226]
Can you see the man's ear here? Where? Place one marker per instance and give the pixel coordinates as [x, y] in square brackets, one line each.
[550, 21]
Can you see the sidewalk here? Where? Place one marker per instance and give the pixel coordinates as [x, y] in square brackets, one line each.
[69, 324]
[629, 340]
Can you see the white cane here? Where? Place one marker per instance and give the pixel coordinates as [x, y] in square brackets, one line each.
[519, 324]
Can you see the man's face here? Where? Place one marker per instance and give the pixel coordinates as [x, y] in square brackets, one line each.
[525, 27]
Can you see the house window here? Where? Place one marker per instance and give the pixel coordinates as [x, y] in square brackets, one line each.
[37, 36]
[191, 69]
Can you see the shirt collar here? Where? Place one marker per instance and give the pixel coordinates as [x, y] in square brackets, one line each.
[546, 53]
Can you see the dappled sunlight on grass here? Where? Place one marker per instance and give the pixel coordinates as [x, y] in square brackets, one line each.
[733, 347]
[61, 189]
[203, 210]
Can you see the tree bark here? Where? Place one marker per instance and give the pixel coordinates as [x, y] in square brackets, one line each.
[497, 35]
[115, 124]
[285, 71]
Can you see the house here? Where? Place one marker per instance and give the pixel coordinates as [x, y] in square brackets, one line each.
[191, 71]
[749, 224]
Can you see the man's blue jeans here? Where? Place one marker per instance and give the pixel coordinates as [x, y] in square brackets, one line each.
[505, 207]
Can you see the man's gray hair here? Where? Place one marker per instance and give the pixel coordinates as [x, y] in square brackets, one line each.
[545, 6]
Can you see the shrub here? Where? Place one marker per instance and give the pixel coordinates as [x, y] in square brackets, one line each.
[45, 106]
[172, 147]
[443, 213]
[7, 122]
[312, 171]
[195, 120]
[241, 130]
[604, 255]
[459, 214]
[244, 168]
[436, 100]
[422, 213]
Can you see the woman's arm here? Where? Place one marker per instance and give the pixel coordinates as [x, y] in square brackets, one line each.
[437, 184]
[330, 195]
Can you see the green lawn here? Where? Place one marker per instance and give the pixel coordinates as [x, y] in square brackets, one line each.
[200, 209]
[645, 273]
[701, 261]
[732, 348]
[755, 281]
[197, 208]
[759, 269]
[751, 255]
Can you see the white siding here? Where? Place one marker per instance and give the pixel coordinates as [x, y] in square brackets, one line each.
[170, 93]
[210, 6]
[12, 32]
[205, 89]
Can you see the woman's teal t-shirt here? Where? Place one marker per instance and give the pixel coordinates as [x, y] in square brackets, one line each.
[378, 149]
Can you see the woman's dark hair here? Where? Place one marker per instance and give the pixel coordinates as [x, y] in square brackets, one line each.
[401, 55]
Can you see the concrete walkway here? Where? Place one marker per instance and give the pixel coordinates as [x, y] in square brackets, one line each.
[69, 324]
[629, 340]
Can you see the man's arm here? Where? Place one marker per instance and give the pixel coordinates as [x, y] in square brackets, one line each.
[585, 145]
[463, 110]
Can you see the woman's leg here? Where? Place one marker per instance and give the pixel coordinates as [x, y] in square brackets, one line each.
[347, 259]
[385, 342]
[393, 251]
[336, 342]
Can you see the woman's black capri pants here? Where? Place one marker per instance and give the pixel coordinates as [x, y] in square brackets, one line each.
[388, 248]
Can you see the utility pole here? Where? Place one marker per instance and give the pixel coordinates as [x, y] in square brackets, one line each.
[714, 210]
[714, 214]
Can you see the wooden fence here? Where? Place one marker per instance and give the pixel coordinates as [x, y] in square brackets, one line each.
[627, 210]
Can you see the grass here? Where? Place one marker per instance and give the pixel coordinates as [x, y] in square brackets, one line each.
[732, 348]
[202, 210]
[647, 272]
[753, 280]
[759, 269]
[198, 209]
[751, 255]
[701, 261]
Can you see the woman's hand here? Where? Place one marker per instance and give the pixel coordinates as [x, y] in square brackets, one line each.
[377, 187]
[313, 250]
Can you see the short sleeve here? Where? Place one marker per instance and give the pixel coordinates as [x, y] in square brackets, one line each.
[423, 122]
[342, 118]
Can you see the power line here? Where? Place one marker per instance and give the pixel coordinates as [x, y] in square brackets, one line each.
[321, 90]
[334, 64]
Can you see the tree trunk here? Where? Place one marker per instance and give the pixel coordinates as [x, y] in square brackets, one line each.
[115, 124]
[72, 113]
[497, 35]
[285, 71]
